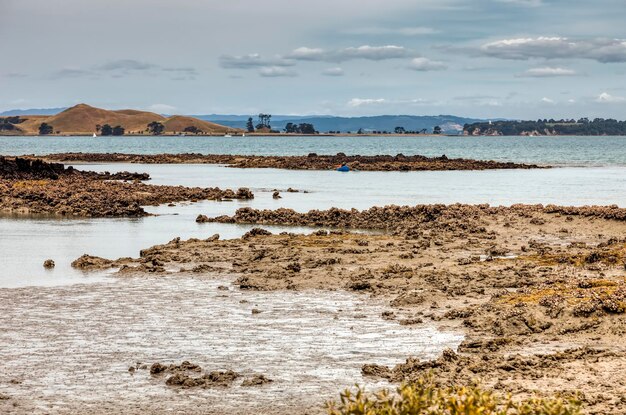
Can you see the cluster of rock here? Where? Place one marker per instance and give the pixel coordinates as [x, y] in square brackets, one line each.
[405, 219]
[312, 161]
[35, 186]
[189, 375]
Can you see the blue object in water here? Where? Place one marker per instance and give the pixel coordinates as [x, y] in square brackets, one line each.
[343, 168]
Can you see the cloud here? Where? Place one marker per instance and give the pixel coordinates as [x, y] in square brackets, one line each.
[599, 49]
[251, 61]
[162, 108]
[70, 73]
[13, 75]
[547, 72]
[126, 65]
[425, 64]
[401, 31]
[367, 52]
[606, 98]
[359, 102]
[333, 72]
[276, 72]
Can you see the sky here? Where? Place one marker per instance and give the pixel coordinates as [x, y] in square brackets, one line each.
[523, 59]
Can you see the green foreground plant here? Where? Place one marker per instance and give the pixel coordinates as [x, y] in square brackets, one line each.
[424, 398]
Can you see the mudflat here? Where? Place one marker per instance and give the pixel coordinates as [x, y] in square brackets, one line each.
[33, 186]
[539, 291]
[312, 161]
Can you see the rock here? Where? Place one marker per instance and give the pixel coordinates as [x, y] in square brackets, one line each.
[89, 262]
[256, 232]
[377, 371]
[256, 311]
[157, 368]
[256, 380]
[276, 195]
[244, 193]
[48, 264]
[202, 219]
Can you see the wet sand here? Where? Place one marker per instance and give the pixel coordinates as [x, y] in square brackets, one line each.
[69, 350]
[539, 291]
[313, 161]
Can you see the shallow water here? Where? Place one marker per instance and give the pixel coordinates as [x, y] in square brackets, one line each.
[71, 347]
[578, 151]
[27, 242]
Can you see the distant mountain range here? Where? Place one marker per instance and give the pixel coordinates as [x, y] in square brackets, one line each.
[448, 123]
[32, 111]
[323, 123]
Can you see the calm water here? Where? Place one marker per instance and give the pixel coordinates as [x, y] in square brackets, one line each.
[578, 151]
[26, 242]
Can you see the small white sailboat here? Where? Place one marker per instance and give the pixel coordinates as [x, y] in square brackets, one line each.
[94, 135]
[243, 135]
[227, 135]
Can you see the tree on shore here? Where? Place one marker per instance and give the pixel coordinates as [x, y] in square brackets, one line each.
[106, 130]
[250, 125]
[437, 130]
[399, 130]
[117, 130]
[156, 128]
[303, 128]
[264, 122]
[45, 129]
[192, 129]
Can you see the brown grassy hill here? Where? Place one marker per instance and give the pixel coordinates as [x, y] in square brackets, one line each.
[178, 123]
[82, 119]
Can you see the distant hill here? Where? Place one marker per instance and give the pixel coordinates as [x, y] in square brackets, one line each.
[32, 111]
[82, 119]
[323, 123]
[449, 123]
[583, 126]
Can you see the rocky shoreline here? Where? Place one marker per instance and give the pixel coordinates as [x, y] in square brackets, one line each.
[539, 290]
[312, 161]
[32, 186]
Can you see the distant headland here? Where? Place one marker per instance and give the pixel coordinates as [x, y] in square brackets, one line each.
[83, 119]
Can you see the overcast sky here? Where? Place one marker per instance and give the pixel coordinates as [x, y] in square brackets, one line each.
[478, 58]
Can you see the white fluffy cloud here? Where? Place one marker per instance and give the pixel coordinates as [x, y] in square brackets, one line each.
[374, 53]
[425, 64]
[277, 72]
[359, 102]
[601, 50]
[606, 98]
[362, 102]
[548, 72]
[251, 61]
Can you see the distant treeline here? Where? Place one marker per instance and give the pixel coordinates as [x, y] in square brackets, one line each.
[583, 126]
